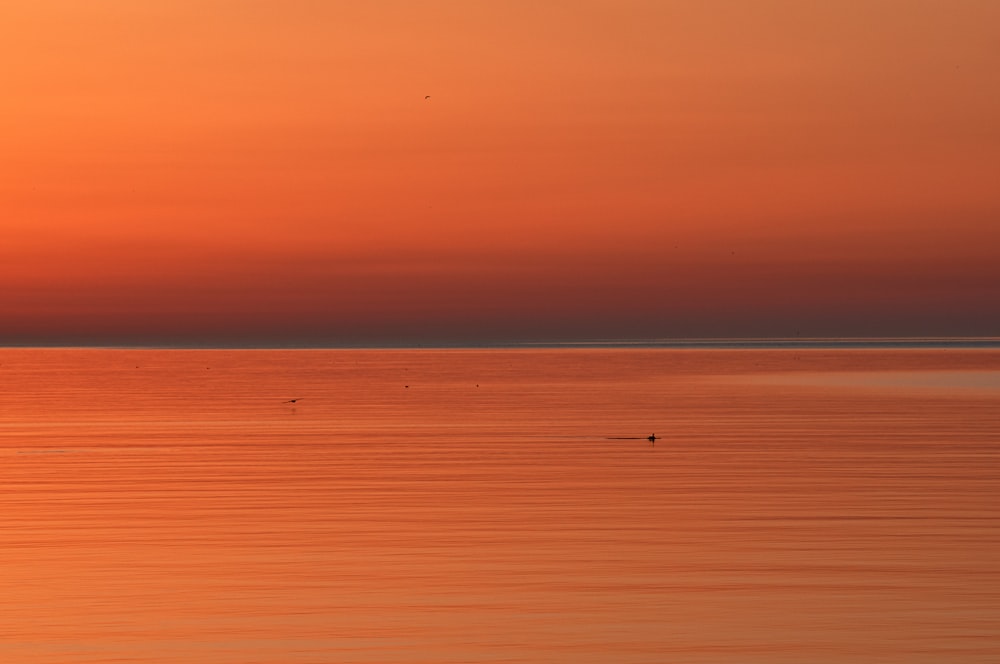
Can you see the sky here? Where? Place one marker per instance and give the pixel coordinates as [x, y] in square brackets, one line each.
[308, 172]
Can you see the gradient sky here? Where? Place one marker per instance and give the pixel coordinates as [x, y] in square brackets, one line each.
[270, 172]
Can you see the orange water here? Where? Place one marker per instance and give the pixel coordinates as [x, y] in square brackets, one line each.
[499, 506]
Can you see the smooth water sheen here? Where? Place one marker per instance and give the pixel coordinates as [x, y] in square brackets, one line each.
[499, 506]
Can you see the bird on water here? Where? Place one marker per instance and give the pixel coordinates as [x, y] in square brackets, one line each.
[291, 401]
[652, 438]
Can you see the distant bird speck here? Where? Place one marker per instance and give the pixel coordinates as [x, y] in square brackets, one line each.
[652, 438]
[292, 400]
[427, 96]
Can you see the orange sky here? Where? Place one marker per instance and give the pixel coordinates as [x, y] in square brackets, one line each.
[264, 171]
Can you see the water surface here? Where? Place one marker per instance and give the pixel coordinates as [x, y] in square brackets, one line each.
[500, 505]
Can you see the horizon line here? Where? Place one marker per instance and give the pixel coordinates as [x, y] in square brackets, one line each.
[665, 343]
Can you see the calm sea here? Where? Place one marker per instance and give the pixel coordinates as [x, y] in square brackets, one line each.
[798, 505]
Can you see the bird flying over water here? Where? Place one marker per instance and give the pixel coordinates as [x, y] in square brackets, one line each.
[293, 400]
